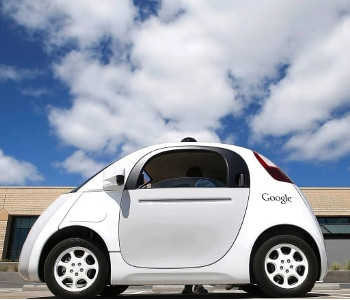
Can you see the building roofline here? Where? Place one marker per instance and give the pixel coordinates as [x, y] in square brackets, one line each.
[36, 187]
[324, 188]
[72, 187]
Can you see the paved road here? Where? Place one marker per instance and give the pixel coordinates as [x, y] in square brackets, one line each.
[137, 293]
[13, 287]
[11, 280]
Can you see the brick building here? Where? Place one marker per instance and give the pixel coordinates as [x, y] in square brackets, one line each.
[20, 207]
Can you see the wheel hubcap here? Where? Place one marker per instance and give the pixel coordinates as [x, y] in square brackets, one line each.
[286, 266]
[76, 269]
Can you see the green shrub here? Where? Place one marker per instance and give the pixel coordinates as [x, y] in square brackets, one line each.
[3, 268]
[335, 266]
[9, 268]
[347, 265]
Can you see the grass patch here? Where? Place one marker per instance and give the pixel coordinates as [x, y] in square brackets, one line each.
[347, 265]
[3, 268]
[9, 268]
[335, 266]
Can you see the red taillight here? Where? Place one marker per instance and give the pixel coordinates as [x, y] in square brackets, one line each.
[272, 169]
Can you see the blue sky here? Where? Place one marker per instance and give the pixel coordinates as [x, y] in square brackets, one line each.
[85, 82]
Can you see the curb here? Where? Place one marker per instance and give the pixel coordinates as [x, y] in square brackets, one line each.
[344, 285]
[35, 287]
[326, 286]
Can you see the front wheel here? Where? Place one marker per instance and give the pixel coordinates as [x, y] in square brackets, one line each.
[285, 266]
[76, 268]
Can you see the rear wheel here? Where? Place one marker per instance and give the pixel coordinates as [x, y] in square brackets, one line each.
[285, 266]
[76, 268]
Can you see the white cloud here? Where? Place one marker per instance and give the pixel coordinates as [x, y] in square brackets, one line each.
[13, 73]
[36, 92]
[330, 141]
[80, 163]
[114, 105]
[256, 38]
[13, 171]
[316, 84]
[311, 101]
[181, 73]
[82, 21]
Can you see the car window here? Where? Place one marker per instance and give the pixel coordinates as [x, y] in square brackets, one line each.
[184, 168]
[188, 182]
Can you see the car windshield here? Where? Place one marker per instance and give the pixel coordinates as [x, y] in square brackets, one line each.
[78, 187]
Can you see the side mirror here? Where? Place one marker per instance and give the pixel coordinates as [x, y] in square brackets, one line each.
[120, 179]
[112, 179]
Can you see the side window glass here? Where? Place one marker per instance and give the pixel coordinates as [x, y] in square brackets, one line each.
[144, 180]
[184, 168]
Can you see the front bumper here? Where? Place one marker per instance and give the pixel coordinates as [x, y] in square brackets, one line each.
[42, 230]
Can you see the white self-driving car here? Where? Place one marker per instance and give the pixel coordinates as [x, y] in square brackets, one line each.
[179, 213]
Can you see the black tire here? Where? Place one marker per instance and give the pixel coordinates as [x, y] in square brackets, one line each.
[285, 266]
[76, 268]
[111, 291]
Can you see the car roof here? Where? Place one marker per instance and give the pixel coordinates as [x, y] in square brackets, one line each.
[193, 144]
[138, 154]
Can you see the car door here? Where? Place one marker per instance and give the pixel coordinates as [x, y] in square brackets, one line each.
[169, 221]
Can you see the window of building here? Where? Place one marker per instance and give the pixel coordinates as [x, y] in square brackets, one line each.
[20, 227]
[333, 220]
[334, 226]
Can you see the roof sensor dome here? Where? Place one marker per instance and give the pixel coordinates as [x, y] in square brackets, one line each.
[188, 140]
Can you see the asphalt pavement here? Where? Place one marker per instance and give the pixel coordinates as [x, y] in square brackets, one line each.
[12, 286]
[11, 280]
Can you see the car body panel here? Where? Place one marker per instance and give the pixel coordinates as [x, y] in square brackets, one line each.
[102, 219]
[172, 226]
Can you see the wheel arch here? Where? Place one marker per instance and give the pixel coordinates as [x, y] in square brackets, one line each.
[283, 230]
[70, 232]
